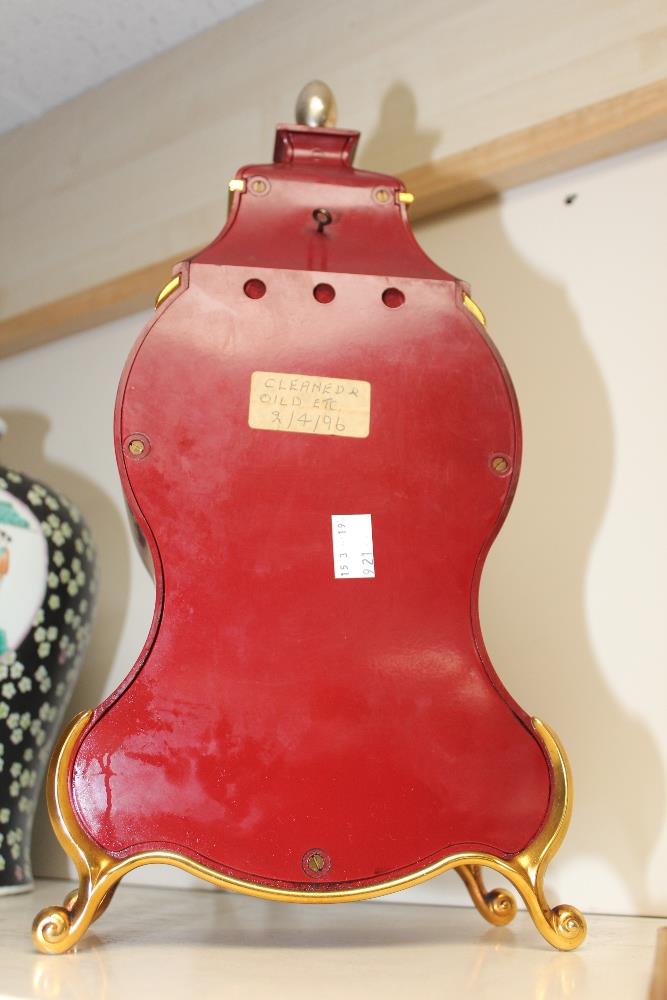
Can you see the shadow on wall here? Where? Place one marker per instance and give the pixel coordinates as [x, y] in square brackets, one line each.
[397, 129]
[23, 449]
[533, 589]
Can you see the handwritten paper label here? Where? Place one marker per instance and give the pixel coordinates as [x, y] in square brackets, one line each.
[309, 404]
[352, 536]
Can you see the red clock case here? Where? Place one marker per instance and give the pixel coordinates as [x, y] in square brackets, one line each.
[285, 732]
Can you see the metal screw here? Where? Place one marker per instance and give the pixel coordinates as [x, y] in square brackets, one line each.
[316, 862]
[382, 195]
[136, 447]
[500, 464]
[258, 186]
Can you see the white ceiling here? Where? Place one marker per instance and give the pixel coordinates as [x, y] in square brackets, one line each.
[52, 50]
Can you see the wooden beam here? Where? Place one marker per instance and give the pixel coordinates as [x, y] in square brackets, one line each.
[121, 296]
[572, 140]
[461, 98]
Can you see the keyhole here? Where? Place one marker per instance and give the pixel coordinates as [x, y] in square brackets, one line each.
[322, 217]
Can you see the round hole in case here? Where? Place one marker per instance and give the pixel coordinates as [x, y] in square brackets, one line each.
[324, 292]
[254, 288]
[393, 298]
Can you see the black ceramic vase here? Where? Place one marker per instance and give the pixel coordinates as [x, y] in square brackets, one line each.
[47, 598]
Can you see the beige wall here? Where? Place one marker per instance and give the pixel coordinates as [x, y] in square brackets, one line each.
[574, 592]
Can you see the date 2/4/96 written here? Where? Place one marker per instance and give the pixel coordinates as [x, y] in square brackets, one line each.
[307, 422]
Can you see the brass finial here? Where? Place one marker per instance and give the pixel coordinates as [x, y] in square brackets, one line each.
[316, 105]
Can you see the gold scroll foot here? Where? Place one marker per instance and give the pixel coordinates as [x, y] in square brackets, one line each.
[56, 929]
[562, 926]
[496, 905]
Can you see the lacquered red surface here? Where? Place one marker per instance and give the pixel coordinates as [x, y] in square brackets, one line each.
[275, 709]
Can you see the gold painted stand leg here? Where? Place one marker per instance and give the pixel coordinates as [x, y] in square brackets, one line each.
[70, 901]
[562, 926]
[56, 929]
[496, 905]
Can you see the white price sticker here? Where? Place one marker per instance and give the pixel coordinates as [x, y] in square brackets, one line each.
[352, 536]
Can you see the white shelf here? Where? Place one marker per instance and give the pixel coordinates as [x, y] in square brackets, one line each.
[195, 944]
